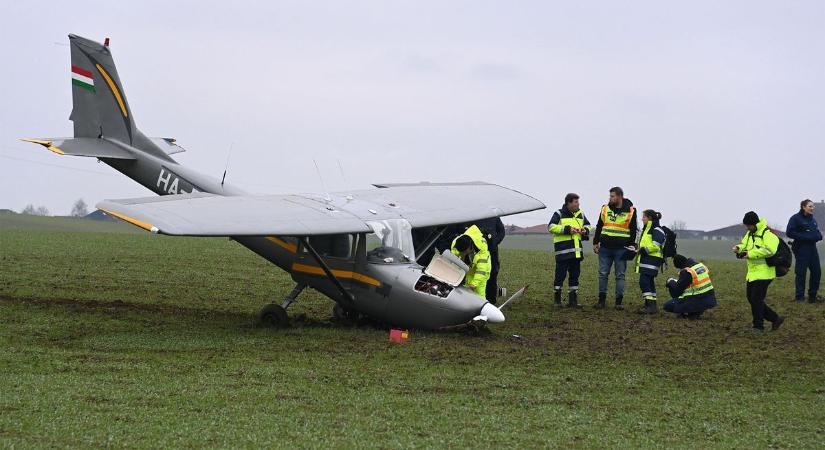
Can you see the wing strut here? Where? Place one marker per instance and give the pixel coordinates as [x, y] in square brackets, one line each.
[347, 295]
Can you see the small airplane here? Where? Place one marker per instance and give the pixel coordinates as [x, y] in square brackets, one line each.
[354, 247]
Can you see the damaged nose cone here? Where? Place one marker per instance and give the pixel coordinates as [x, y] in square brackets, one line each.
[493, 314]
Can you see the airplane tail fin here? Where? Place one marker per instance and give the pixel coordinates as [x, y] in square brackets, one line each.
[100, 108]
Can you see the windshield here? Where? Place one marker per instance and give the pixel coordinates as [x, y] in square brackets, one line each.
[396, 240]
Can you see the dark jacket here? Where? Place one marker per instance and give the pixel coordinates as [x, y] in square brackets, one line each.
[493, 230]
[678, 287]
[804, 230]
[563, 248]
[612, 241]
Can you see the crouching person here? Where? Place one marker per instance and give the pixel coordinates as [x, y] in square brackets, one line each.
[692, 293]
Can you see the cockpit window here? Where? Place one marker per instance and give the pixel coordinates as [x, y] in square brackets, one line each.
[387, 255]
[333, 245]
[395, 236]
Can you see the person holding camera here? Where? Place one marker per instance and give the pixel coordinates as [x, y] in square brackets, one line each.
[804, 231]
[758, 244]
[692, 292]
[649, 258]
[614, 242]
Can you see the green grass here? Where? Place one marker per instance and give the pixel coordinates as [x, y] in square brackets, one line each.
[113, 339]
[29, 222]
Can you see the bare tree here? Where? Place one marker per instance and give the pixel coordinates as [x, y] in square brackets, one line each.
[678, 225]
[32, 211]
[79, 209]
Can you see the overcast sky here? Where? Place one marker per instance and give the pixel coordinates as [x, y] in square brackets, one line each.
[702, 110]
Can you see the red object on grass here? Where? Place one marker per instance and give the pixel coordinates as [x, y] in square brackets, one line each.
[399, 336]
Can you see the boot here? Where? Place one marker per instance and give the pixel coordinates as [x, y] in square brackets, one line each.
[643, 309]
[777, 323]
[573, 300]
[619, 305]
[557, 298]
[649, 308]
[814, 299]
[600, 303]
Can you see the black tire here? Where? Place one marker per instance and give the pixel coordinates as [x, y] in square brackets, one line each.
[273, 316]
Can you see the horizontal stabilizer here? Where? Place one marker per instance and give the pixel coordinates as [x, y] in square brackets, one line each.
[92, 147]
[168, 145]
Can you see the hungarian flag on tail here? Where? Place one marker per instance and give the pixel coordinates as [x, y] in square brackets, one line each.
[83, 78]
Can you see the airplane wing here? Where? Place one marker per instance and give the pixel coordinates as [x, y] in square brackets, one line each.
[201, 214]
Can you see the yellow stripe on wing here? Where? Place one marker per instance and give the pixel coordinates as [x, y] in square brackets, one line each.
[135, 222]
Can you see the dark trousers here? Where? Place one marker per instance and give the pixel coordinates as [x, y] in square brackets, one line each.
[647, 283]
[692, 306]
[492, 283]
[807, 259]
[573, 267]
[757, 291]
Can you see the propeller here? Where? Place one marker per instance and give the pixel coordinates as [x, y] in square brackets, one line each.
[491, 313]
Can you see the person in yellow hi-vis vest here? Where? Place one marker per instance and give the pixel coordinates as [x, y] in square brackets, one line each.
[471, 247]
[614, 242]
[758, 244]
[650, 257]
[569, 227]
[692, 292]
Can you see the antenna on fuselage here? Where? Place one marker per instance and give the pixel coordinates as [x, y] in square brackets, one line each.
[226, 166]
[343, 176]
[320, 177]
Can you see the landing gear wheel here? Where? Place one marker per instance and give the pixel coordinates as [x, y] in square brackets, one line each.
[273, 316]
[341, 314]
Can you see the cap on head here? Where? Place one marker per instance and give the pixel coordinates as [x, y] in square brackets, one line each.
[751, 218]
[679, 261]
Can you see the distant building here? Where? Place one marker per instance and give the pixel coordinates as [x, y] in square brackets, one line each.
[690, 234]
[535, 229]
[734, 233]
[100, 216]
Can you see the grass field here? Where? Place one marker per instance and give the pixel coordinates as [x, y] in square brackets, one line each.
[121, 339]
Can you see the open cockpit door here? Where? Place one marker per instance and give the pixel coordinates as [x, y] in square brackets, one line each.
[447, 268]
